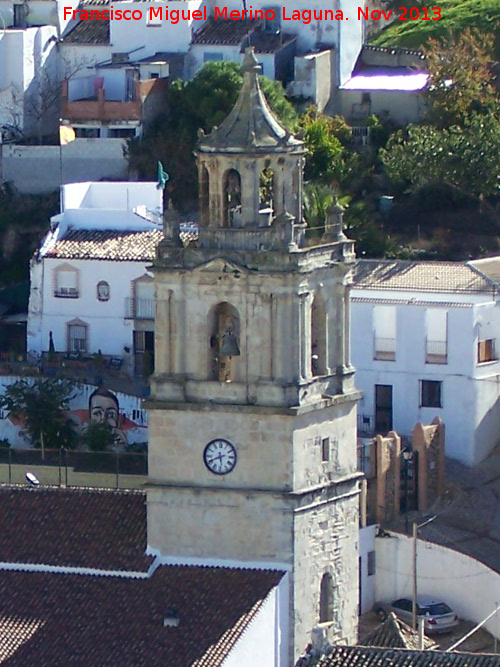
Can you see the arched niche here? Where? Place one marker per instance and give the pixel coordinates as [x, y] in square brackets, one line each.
[204, 194]
[326, 599]
[318, 336]
[231, 189]
[224, 341]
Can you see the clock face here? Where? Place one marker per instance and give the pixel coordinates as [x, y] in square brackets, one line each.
[220, 456]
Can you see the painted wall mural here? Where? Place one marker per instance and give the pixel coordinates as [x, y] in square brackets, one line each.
[123, 413]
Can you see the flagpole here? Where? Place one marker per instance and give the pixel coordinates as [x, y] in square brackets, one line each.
[60, 157]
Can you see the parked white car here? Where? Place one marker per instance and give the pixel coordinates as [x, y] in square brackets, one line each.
[437, 615]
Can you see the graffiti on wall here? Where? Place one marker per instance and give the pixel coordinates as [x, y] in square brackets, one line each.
[122, 412]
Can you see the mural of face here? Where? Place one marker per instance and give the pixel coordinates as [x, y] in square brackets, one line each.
[104, 410]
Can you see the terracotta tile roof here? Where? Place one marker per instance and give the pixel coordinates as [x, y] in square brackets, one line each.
[420, 276]
[108, 244]
[223, 32]
[360, 656]
[65, 619]
[393, 633]
[88, 32]
[74, 527]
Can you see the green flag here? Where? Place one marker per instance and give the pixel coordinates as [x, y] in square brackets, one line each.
[163, 177]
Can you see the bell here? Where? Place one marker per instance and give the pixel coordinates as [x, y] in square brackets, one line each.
[229, 347]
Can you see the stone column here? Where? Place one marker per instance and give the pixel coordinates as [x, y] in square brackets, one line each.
[305, 335]
[163, 333]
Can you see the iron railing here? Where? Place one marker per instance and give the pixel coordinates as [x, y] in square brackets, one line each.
[63, 467]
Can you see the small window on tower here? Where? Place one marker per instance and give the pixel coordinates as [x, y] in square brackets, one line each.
[325, 449]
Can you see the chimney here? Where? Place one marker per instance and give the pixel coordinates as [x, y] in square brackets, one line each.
[171, 618]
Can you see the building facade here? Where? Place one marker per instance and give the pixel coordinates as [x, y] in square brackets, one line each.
[252, 414]
[424, 343]
[90, 284]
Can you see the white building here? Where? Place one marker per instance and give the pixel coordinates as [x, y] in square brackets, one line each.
[90, 284]
[424, 344]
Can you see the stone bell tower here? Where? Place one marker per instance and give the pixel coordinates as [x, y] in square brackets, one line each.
[252, 415]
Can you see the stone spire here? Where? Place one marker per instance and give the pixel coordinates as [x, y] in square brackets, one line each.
[251, 126]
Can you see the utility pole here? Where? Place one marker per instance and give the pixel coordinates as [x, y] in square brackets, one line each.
[415, 540]
[414, 601]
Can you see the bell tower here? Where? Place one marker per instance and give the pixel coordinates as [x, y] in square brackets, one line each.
[252, 414]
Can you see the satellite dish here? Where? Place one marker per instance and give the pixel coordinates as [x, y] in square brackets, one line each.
[32, 479]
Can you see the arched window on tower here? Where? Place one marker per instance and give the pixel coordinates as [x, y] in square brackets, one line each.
[224, 325]
[266, 197]
[318, 336]
[232, 197]
[326, 599]
[204, 195]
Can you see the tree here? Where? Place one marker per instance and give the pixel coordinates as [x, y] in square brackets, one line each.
[465, 158]
[42, 405]
[461, 79]
[98, 437]
[203, 102]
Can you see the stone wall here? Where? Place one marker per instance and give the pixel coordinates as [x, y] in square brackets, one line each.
[41, 169]
[428, 441]
[388, 476]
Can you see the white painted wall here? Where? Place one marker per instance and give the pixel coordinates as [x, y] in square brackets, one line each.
[466, 585]
[366, 544]
[123, 196]
[470, 391]
[102, 317]
[128, 35]
[28, 59]
[265, 641]
[40, 169]
[403, 107]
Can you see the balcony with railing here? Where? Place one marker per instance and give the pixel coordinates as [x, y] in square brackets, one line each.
[384, 349]
[87, 99]
[139, 309]
[436, 352]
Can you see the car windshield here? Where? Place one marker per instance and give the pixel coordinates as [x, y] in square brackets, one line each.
[436, 609]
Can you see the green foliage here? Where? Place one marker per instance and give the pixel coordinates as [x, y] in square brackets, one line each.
[462, 81]
[371, 241]
[24, 219]
[42, 405]
[466, 158]
[98, 437]
[317, 199]
[457, 17]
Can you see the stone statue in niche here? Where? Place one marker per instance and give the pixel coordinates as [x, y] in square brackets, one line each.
[228, 348]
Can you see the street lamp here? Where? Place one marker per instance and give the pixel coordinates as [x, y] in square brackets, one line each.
[414, 601]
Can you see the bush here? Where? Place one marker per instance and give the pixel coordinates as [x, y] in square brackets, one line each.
[98, 437]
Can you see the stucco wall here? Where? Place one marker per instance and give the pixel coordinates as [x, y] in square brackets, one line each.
[39, 169]
[367, 544]
[470, 391]
[470, 588]
[49, 313]
[265, 641]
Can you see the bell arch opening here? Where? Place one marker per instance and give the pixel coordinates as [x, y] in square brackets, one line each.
[204, 195]
[318, 336]
[326, 599]
[231, 197]
[267, 205]
[224, 327]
